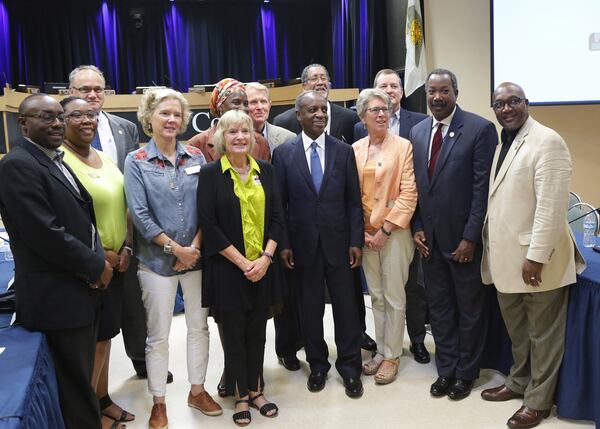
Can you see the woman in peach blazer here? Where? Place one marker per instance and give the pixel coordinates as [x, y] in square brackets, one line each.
[389, 197]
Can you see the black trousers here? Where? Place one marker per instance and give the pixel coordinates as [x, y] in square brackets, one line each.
[133, 318]
[457, 308]
[244, 336]
[416, 304]
[73, 352]
[360, 298]
[310, 287]
[288, 336]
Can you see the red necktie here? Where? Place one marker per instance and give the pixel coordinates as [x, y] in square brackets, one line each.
[436, 146]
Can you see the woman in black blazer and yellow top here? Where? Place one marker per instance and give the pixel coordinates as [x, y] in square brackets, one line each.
[241, 221]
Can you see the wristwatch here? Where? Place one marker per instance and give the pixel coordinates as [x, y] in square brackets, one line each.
[167, 248]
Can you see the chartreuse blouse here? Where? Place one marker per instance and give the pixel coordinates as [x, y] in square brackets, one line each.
[252, 205]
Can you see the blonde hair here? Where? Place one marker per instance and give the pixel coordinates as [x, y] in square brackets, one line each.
[229, 119]
[150, 101]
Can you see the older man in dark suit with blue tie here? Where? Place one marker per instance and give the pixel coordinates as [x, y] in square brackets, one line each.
[321, 198]
[452, 157]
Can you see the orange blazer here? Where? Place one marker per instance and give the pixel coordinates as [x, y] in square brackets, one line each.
[395, 186]
[204, 142]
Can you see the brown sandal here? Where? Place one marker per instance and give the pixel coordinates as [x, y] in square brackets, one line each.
[387, 372]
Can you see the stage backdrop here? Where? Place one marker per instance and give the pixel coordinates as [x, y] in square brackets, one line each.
[186, 42]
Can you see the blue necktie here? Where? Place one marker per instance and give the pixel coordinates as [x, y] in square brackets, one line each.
[316, 171]
[96, 143]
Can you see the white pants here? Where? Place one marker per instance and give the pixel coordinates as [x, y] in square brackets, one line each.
[387, 272]
[158, 294]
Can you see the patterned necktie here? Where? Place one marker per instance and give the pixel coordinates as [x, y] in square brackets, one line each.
[96, 142]
[316, 171]
[436, 146]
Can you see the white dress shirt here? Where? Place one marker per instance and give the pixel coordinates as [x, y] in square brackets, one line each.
[446, 124]
[307, 141]
[106, 138]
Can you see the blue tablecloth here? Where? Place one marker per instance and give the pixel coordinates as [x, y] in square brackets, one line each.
[28, 389]
[6, 273]
[578, 392]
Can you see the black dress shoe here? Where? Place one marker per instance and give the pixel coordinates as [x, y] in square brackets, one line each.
[290, 363]
[354, 387]
[169, 377]
[420, 352]
[440, 387]
[367, 343]
[460, 389]
[316, 381]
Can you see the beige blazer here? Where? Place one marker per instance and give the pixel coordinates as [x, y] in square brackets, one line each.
[277, 136]
[527, 214]
[396, 189]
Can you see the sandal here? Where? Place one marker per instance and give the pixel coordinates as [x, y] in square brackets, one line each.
[106, 402]
[372, 365]
[387, 371]
[242, 415]
[115, 424]
[264, 410]
[222, 387]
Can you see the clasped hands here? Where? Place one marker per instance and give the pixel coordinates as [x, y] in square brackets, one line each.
[187, 257]
[112, 261]
[255, 270]
[354, 255]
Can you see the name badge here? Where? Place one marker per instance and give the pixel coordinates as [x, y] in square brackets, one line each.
[195, 169]
[256, 180]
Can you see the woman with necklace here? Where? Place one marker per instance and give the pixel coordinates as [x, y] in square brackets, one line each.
[160, 183]
[389, 196]
[103, 180]
[240, 216]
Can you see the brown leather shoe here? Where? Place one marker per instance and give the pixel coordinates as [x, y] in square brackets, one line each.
[526, 417]
[500, 393]
[205, 403]
[158, 417]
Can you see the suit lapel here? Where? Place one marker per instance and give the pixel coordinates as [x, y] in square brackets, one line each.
[452, 136]
[300, 161]
[43, 159]
[117, 133]
[520, 139]
[330, 153]
[404, 123]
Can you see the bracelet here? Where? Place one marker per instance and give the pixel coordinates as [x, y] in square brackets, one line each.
[268, 255]
[195, 246]
[388, 233]
[128, 248]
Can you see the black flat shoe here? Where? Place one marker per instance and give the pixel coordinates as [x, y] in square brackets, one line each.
[420, 352]
[264, 410]
[316, 381]
[441, 386]
[242, 415]
[354, 387]
[460, 389]
[290, 363]
[367, 343]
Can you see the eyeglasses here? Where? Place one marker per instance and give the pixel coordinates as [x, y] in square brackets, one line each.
[88, 89]
[511, 102]
[315, 79]
[378, 110]
[46, 118]
[77, 116]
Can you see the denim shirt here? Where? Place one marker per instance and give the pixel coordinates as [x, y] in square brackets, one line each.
[162, 198]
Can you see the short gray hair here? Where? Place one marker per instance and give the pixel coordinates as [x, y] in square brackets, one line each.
[303, 95]
[85, 67]
[230, 118]
[150, 101]
[365, 97]
[259, 87]
[304, 76]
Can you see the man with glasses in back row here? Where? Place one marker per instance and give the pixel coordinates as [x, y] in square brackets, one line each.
[59, 260]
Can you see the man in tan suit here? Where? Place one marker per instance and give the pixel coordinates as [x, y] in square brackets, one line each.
[529, 252]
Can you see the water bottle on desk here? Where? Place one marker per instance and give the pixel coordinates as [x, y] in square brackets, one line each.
[589, 230]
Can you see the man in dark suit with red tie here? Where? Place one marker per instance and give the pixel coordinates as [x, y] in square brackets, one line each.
[59, 261]
[321, 200]
[401, 123]
[453, 153]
